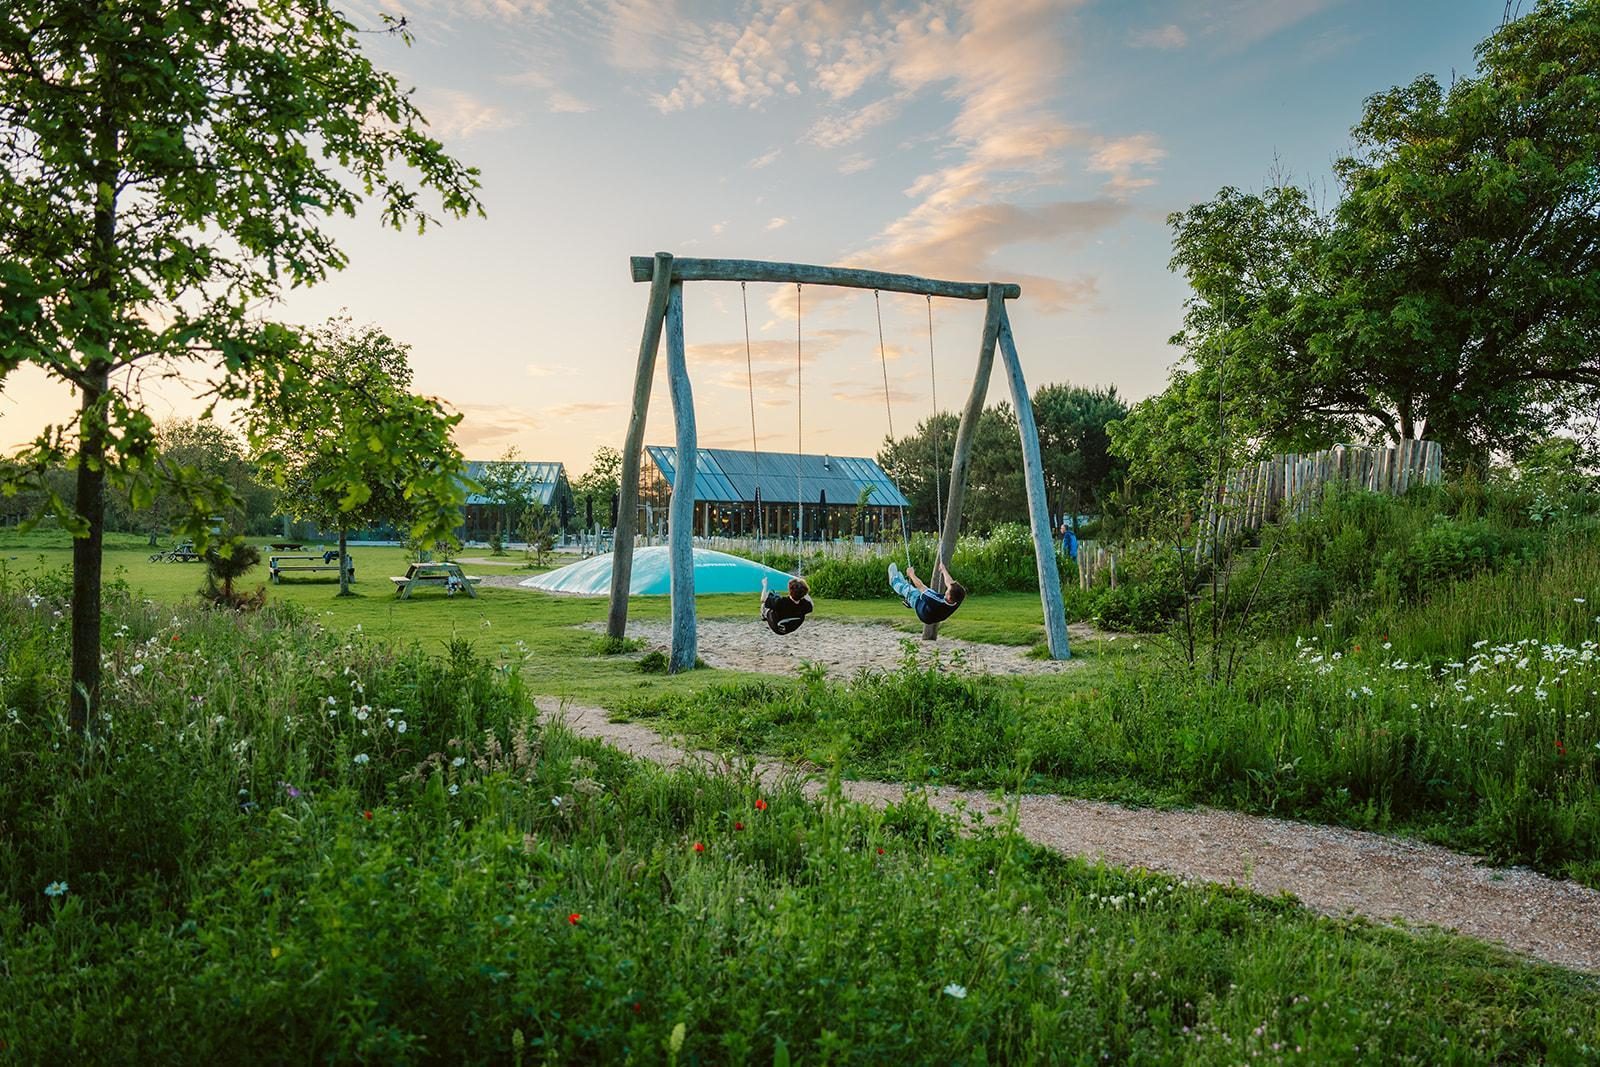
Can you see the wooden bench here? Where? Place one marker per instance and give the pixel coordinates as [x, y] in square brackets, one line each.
[447, 575]
[322, 561]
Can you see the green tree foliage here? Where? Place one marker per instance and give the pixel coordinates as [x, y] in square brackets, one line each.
[214, 457]
[508, 485]
[1452, 292]
[1080, 472]
[360, 449]
[914, 461]
[538, 526]
[164, 170]
[600, 483]
[226, 564]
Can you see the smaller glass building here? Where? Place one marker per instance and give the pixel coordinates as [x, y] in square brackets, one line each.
[546, 484]
[819, 491]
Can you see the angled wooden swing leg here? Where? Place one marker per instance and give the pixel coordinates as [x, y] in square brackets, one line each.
[961, 456]
[680, 511]
[1044, 549]
[628, 490]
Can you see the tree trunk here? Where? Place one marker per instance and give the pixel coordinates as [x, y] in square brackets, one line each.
[90, 504]
[344, 570]
[90, 498]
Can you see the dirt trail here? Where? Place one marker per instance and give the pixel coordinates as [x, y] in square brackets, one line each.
[1329, 870]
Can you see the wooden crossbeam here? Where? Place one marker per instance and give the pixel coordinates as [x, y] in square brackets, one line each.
[755, 270]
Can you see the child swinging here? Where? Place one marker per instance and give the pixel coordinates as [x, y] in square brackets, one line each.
[784, 614]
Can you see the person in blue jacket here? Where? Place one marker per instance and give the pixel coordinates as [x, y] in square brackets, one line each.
[930, 607]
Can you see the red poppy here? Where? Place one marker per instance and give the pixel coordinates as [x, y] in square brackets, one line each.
[880, 852]
[367, 815]
[698, 847]
[1561, 750]
[1358, 648]
[637, 1007]
[174, 638]
[761, 805]
[574, 918]
[738, 826]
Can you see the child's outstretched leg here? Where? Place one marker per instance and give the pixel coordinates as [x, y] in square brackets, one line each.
[902, 586]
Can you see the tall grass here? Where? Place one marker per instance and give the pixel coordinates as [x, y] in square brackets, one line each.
[218, 874]
[1472, 720]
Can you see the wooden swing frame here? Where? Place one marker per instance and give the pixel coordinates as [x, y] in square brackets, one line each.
[664, 311]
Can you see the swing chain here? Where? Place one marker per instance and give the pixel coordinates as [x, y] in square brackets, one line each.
[755, 446]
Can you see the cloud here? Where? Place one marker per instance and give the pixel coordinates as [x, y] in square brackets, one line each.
[583, 407]
[995, 72]
[764, 351]
[1242, 24]
[1120, 157]
[1168, 38]
[454, 113]
[777, 223]
[488, 424]
[564, 103]
[835, 131]
[766, 159]
[557, 101]
[961, 242]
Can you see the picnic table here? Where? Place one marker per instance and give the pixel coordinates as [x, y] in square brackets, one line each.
[319, 561]
[183, 552]
[446, 574]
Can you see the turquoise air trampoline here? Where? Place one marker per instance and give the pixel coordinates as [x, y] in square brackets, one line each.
[714, 572]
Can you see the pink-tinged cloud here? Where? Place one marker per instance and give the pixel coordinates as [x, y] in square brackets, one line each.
[1122, 157]
[485, 425]
[582, 408]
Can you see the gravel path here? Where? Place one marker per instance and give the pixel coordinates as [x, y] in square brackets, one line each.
[1329, 870]
[844, 648]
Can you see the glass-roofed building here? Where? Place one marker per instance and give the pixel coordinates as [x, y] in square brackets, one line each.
[728, 483]
[547, 485]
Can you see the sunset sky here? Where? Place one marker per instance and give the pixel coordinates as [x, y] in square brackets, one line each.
[1037, 142]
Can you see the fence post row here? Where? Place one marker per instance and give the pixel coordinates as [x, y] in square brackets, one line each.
[1289, 484]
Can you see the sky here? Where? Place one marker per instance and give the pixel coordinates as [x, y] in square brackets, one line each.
[1029, 141]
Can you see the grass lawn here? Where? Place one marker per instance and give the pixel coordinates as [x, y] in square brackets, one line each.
[536, 629]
